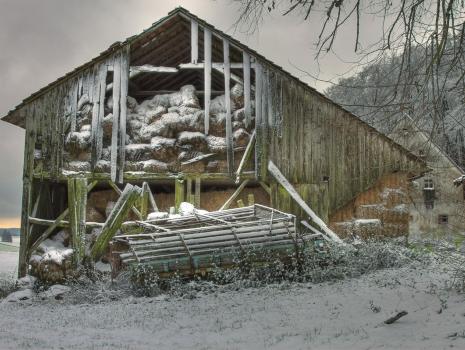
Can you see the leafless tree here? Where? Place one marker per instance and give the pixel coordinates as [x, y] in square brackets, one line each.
[420, 44]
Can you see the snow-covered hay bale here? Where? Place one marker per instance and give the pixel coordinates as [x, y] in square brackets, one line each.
[107, 125]
[194, 138]
[134, 166]
[155, 166]
[162, 148]
[102, 166]
[52, 262]
[78, 166]
[93, 215]
[138, 152]
[77, 142]
[367, 228]
[196, 167]
[241, 137]
[216, 144]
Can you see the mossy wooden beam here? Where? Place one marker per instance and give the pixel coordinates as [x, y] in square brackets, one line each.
[197, 192]
[179, 193]
[128, 197]
[77, 202]
[248, 152]
[144, 205]
[140, 176]
[133, 208]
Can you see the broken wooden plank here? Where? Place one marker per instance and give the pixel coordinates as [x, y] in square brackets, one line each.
[119, 212]
[273, 169]
[207, 75]
[247, 89]
[117, 190]
[245, 157]
[198, 158]
[234, 195]
[194, 41]
[144, 205]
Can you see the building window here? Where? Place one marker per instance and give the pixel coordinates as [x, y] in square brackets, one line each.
[429, 193]
[428, 184]
[443, 219]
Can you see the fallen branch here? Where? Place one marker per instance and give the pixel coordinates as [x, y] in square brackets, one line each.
[396, 317]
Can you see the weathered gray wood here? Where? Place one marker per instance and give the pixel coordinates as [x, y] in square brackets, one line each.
[153, 203]
[123, 111]
[273, 169]
[207, 75]
[58, 221]
[120, 211]
[144, 200]
[98, 112]
[234, 195]
[77, 202]
[179, 193]
[194, 41]
[197, 192]
[245, 157]
[227, 97]
[198, 158]
[117, 190]
[258, 118]
[116, 109]
[189, 194]
[247, 89]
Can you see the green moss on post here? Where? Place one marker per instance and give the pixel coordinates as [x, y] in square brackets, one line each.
[77, 203]
[178, 193]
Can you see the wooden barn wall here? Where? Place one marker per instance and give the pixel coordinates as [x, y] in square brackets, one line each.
[329, 155]
[52, 115]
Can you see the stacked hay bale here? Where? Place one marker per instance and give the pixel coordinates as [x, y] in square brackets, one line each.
[163, 133]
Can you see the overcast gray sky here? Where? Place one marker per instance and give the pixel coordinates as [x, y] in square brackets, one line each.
[42, 40]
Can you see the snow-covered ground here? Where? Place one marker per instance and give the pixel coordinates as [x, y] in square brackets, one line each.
[8, 263]
[347, 314]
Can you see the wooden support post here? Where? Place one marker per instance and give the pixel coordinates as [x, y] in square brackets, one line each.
[240, 203]
[55, 224]
[250, 199]
[144, 205]
[258, 119]
[121, 209]
[189, 194]
[77, 202]
[116, 105]
[179, 192]
[247, 89]
[197, 192]
[207, 75]
[123, 111]
[194, 42]
[273, 169]
[234, 195]
[227, 98]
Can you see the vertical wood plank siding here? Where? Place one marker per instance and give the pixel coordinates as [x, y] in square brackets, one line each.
[329, 155]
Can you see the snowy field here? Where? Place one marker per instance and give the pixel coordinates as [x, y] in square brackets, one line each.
[346, 314]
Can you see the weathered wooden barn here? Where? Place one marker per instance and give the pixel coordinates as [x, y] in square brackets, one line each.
[197, 116]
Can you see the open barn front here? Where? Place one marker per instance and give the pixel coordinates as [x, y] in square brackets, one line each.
[185, 116]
